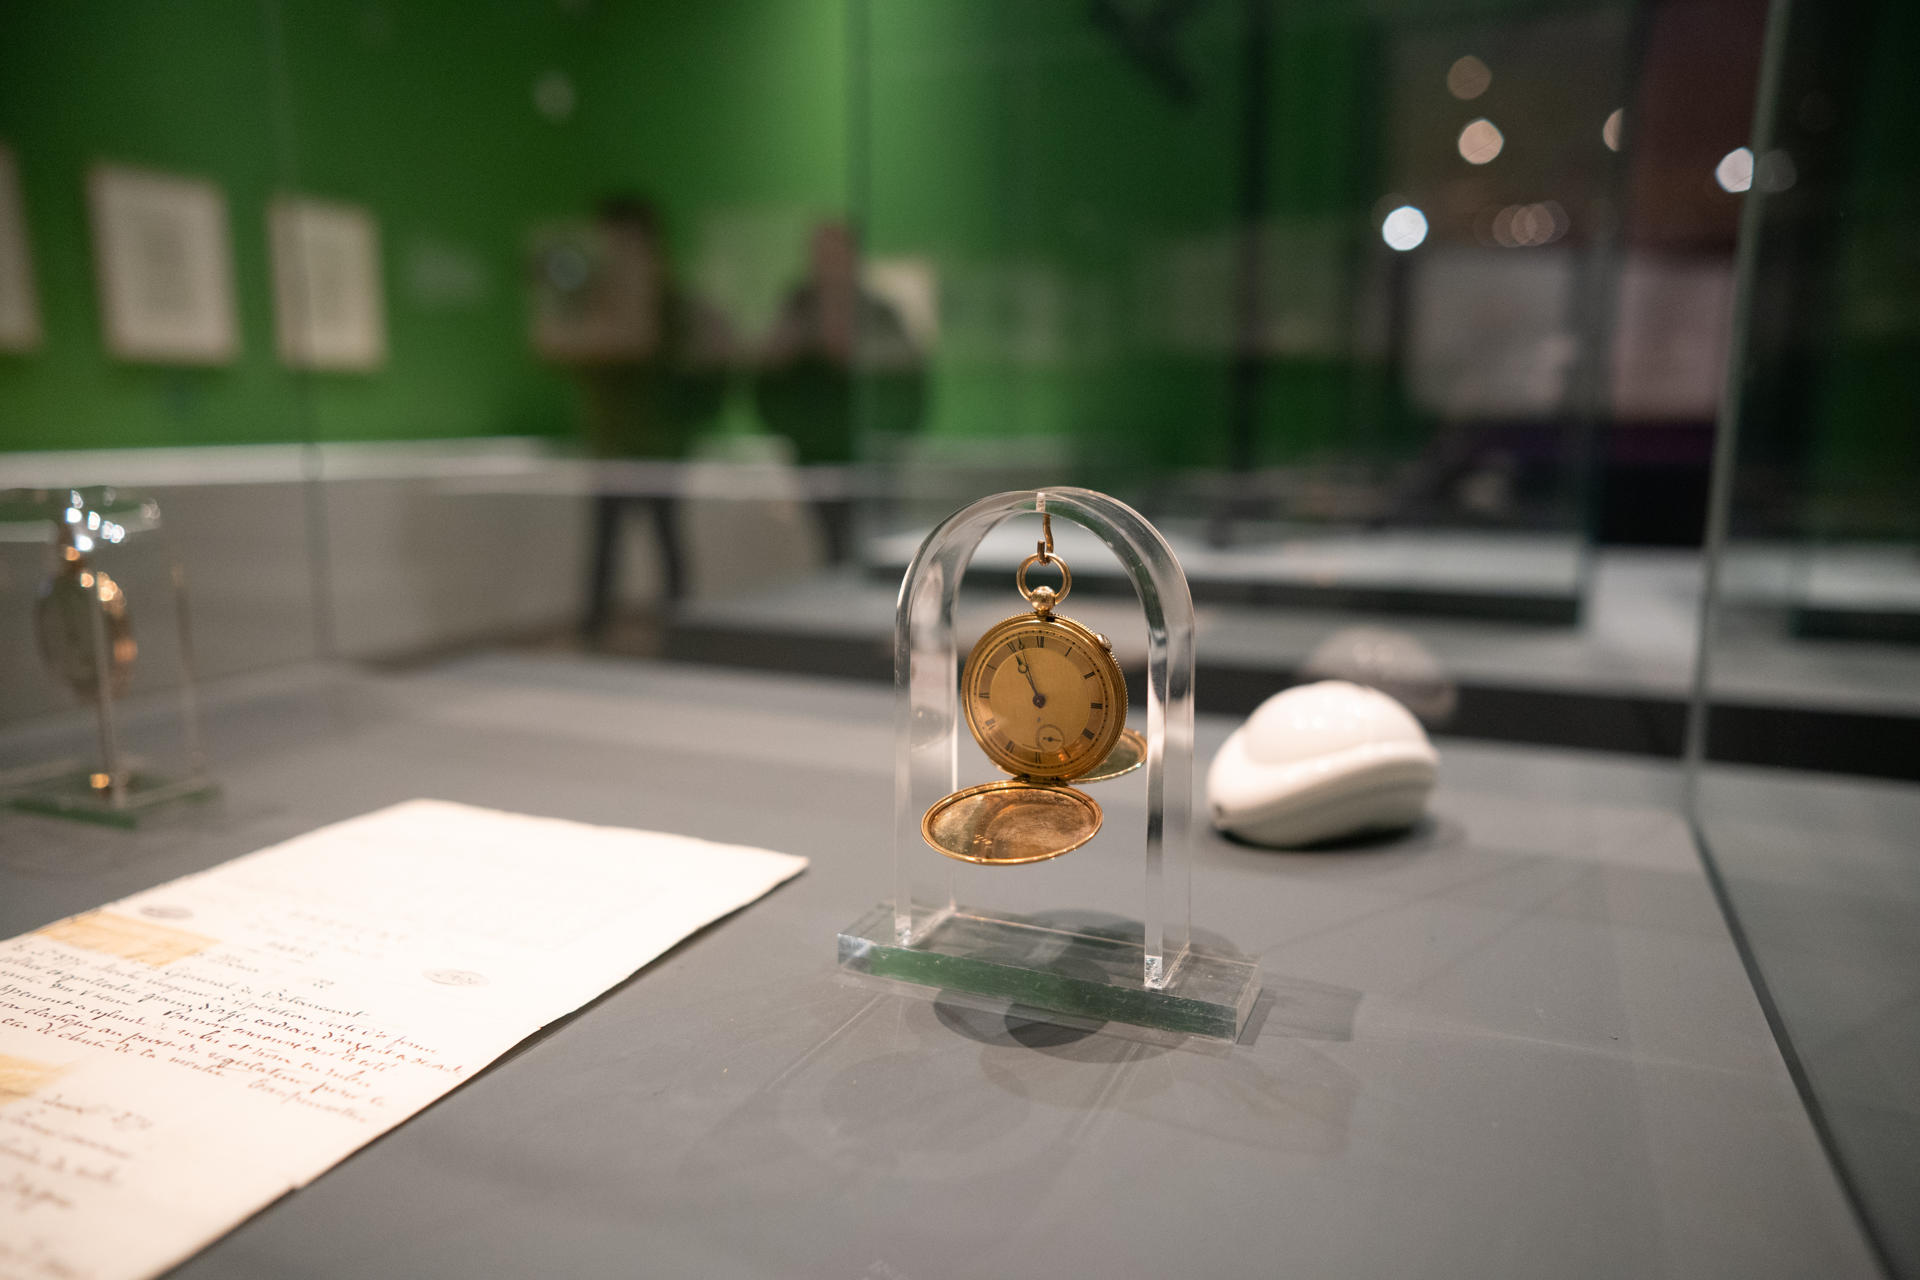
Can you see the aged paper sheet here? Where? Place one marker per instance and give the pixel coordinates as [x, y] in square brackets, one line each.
[173, 1061]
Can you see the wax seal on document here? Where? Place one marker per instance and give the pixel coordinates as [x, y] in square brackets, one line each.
[457, 977]
[165, 911]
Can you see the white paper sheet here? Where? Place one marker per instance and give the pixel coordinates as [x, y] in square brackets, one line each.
[173, 1061]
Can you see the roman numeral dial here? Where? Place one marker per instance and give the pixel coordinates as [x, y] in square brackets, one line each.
[1044, 697]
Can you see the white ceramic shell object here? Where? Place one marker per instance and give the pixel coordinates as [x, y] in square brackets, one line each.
[1321, 761]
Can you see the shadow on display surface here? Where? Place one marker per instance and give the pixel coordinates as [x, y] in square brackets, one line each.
[1051, 968]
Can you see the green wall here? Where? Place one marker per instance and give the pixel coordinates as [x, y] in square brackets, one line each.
[162, 85]
[1053, 183]
[423, 111]
[1013, 144]
[1027, 140]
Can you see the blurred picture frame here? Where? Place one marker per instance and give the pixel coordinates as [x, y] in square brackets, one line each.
[328, 305]
[164, 266]
[19, 303]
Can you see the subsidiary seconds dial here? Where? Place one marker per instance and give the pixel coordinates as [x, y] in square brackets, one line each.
[1044, 697]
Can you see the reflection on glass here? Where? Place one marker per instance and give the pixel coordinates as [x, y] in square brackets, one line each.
[832, 327]
[1735, 171]
[1404, 228]
[1817, 602]
[1286, 307]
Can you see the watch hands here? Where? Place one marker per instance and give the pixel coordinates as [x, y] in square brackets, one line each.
[1039, 698]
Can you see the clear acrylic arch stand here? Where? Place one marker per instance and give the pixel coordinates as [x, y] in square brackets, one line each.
[1068, 965]
[120, 533]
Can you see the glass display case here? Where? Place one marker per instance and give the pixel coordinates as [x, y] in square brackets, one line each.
[1405, 328]
[1814, 564]
[1365, 308]
[1328, 293]
[632, 341]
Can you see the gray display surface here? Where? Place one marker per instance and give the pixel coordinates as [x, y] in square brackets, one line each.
[1515, 1042]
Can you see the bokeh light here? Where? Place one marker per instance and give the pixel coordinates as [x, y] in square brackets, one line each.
[1735, 171]
[1527, 226]
[1610, 131]
[1481, 141]
[1468, 78]
[1405, 228]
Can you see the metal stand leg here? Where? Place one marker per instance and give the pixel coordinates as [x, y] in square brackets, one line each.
[602, 566]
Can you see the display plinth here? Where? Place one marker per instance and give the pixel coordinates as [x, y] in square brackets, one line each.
[1048, 970]
[941, 928]
[78, 795]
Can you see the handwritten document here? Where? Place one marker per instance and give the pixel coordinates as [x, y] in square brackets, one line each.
[173, 1061]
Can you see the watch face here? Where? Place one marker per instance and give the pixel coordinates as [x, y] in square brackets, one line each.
[1044, 698]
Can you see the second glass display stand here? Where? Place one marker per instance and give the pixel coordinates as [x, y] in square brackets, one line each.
[1068, 965]
[105, 546]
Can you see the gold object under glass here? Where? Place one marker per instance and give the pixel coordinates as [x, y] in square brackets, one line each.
[1129, 753]
[1046, 701]
[64, 620]
[1007, 823]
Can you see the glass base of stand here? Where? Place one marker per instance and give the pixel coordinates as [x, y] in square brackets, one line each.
[74, 795]
[1052, 970]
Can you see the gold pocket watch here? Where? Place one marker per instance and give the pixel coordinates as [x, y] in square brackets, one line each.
[1046, 701]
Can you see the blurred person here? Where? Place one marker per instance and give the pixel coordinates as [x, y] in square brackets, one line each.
[653, 362]
[838, 360]
[831, 331]
[658, 375]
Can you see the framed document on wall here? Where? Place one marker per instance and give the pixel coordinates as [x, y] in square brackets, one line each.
[327, 304]
[164, 266]
[19, 307]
